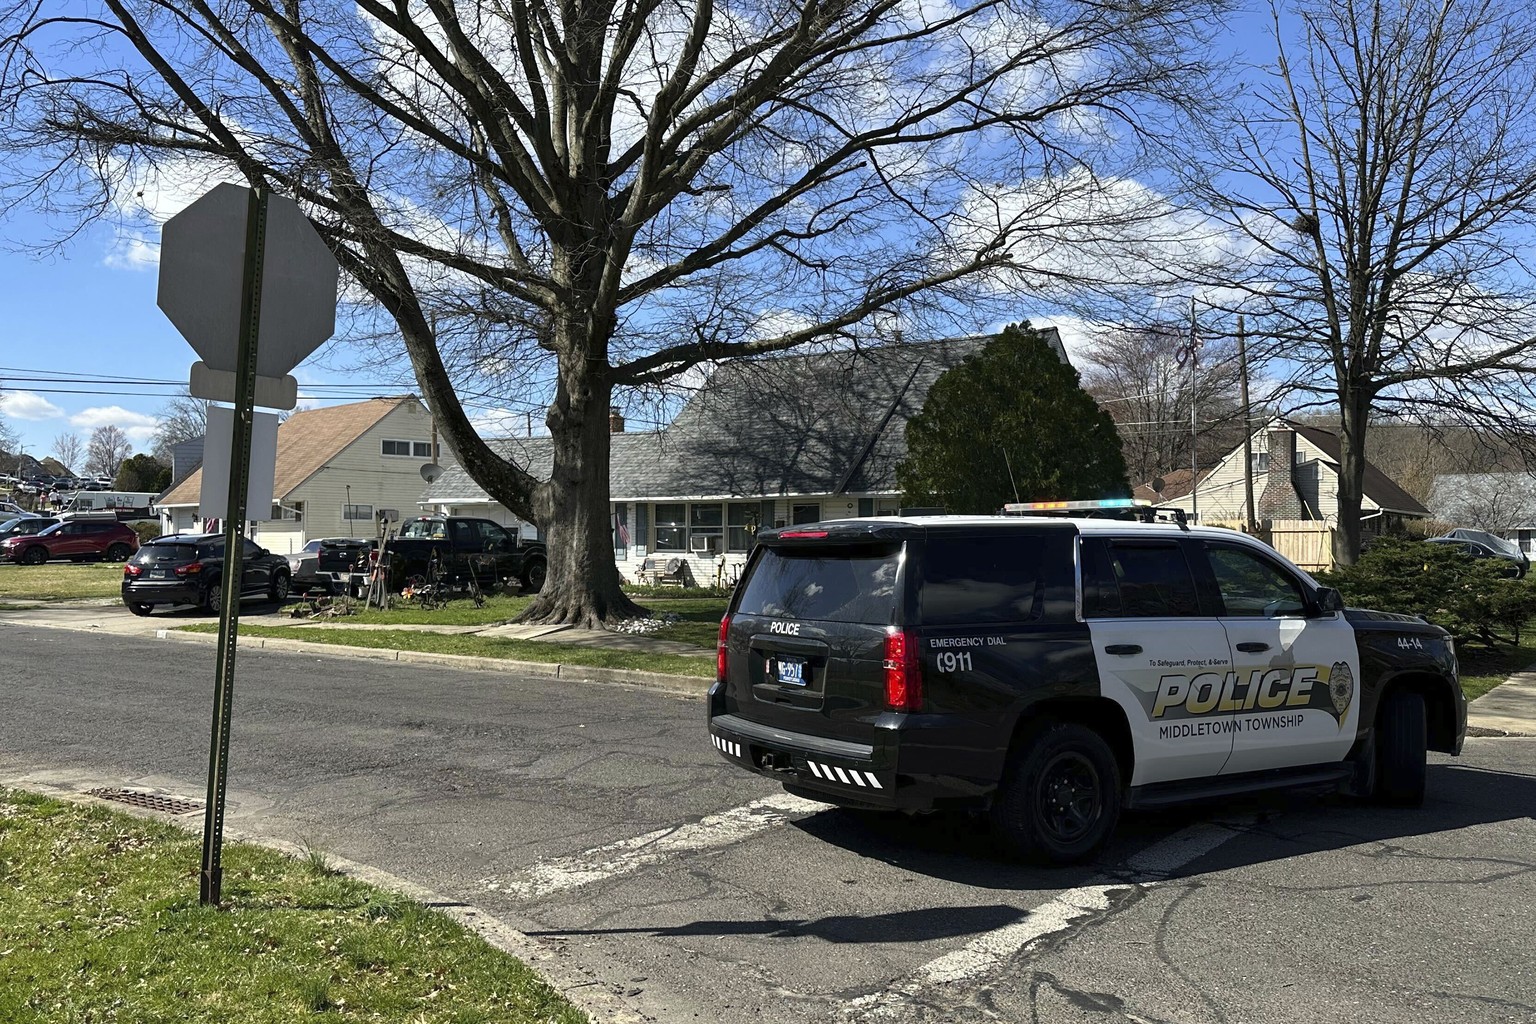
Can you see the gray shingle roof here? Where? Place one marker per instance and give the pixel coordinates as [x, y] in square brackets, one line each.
[826, 422]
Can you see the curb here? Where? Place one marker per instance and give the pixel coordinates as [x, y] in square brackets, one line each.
[689, 686]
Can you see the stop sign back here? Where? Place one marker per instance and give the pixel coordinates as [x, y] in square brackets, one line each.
[202, 262]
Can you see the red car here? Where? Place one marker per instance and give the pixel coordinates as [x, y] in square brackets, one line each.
[74, 539]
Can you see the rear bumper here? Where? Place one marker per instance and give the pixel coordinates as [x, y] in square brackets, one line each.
[163, 593]
[914, 764]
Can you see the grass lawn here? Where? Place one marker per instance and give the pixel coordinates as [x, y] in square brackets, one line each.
[102, 923]
[60, 581]
[1483, 668]
[482, 647]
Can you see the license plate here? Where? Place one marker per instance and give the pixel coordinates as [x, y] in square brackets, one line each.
[158, 574]
[791, 672]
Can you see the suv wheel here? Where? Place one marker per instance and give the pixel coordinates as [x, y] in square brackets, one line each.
[118, 553]
[213, 598]
[1060, 796]
[279, 588]
[1401, 743]
[139, 608]
[534, 574]
[34, 556]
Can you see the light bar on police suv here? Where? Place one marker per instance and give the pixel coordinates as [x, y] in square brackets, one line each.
[1075, 506]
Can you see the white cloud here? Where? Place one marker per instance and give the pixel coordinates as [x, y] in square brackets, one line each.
[25, 405]
[139, 426]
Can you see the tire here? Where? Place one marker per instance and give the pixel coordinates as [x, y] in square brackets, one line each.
[213, 598]
[1401, 750]
[118, 553]
[139, 608]
[34, 556]
[279, 589]
[534, 574]
[1059, 800]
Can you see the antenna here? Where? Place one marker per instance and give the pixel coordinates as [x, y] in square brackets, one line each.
[1011, 483]
[431, 471]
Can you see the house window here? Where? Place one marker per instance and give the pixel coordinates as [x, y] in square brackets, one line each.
[1260, 463]
[801, 514]
[357, 512]
[407, 449]
[741, 521]
[707, 529]
[672, 527]
[292, 512]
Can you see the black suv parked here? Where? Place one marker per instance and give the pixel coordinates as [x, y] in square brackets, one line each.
[188, 570]
[1053, 671]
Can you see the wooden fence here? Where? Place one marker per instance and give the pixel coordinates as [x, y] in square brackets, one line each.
[1307, 542]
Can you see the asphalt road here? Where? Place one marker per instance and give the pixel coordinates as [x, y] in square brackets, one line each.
[599, 821]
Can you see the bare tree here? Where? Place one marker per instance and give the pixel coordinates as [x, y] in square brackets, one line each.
[181, 419]
[106, 450]
[599, 196]
[67, 448]
[1383, 180]
[1141, 377]
[1500, 502]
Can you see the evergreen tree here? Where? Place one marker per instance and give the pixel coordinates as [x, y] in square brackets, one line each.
[1011, 423]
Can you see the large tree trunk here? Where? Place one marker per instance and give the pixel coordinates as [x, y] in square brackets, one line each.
[582, 588]
[1354, 407]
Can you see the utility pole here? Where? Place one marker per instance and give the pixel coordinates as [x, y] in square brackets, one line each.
[1242, 369]
[1194, 420]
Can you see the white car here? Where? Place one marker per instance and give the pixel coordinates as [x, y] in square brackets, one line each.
[10, 510]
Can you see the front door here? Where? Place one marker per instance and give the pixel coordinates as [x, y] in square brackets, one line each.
[1159, 655]
[1296, 693]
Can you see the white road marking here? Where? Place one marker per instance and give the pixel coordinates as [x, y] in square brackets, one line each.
[991, 951]
[558, 874]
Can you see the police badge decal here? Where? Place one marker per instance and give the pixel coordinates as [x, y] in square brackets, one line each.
[1341, 687]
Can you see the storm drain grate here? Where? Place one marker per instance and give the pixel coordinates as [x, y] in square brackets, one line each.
[149, 801]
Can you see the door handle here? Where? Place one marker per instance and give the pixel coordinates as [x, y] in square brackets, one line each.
[1123, 649]
[1253, 646]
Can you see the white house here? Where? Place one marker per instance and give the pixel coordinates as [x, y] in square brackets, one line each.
[1295, 477]
[337, 467]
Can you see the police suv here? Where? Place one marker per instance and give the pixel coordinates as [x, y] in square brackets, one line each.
[1053, 671]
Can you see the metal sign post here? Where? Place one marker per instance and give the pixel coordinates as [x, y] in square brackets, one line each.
[212, 876]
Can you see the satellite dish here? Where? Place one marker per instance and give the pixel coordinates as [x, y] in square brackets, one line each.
[431, 471]
[1158, 483]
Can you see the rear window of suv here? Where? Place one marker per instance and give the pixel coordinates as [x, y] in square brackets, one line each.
[165, 554]
[832, 583]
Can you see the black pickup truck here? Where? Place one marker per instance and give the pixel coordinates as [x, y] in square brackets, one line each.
[461, 545]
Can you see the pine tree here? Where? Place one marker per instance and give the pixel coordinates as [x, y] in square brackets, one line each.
[1011, 423]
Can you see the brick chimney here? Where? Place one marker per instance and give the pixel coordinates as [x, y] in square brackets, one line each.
[1279, 499]
[615, 420]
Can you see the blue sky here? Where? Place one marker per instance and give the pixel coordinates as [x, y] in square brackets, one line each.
[90, 310]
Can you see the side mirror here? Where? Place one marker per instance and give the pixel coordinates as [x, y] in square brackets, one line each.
[1329, 600]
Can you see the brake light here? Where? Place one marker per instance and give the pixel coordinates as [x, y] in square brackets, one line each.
[803, 535]
[720, 657]
[903, 671]
[132, 570]
[373, 556]
[190, 569]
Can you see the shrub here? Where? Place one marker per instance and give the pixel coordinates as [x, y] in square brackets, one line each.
[146, 530]
[1473, 599]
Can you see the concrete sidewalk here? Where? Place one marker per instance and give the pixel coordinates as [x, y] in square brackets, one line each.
[1508, 709]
